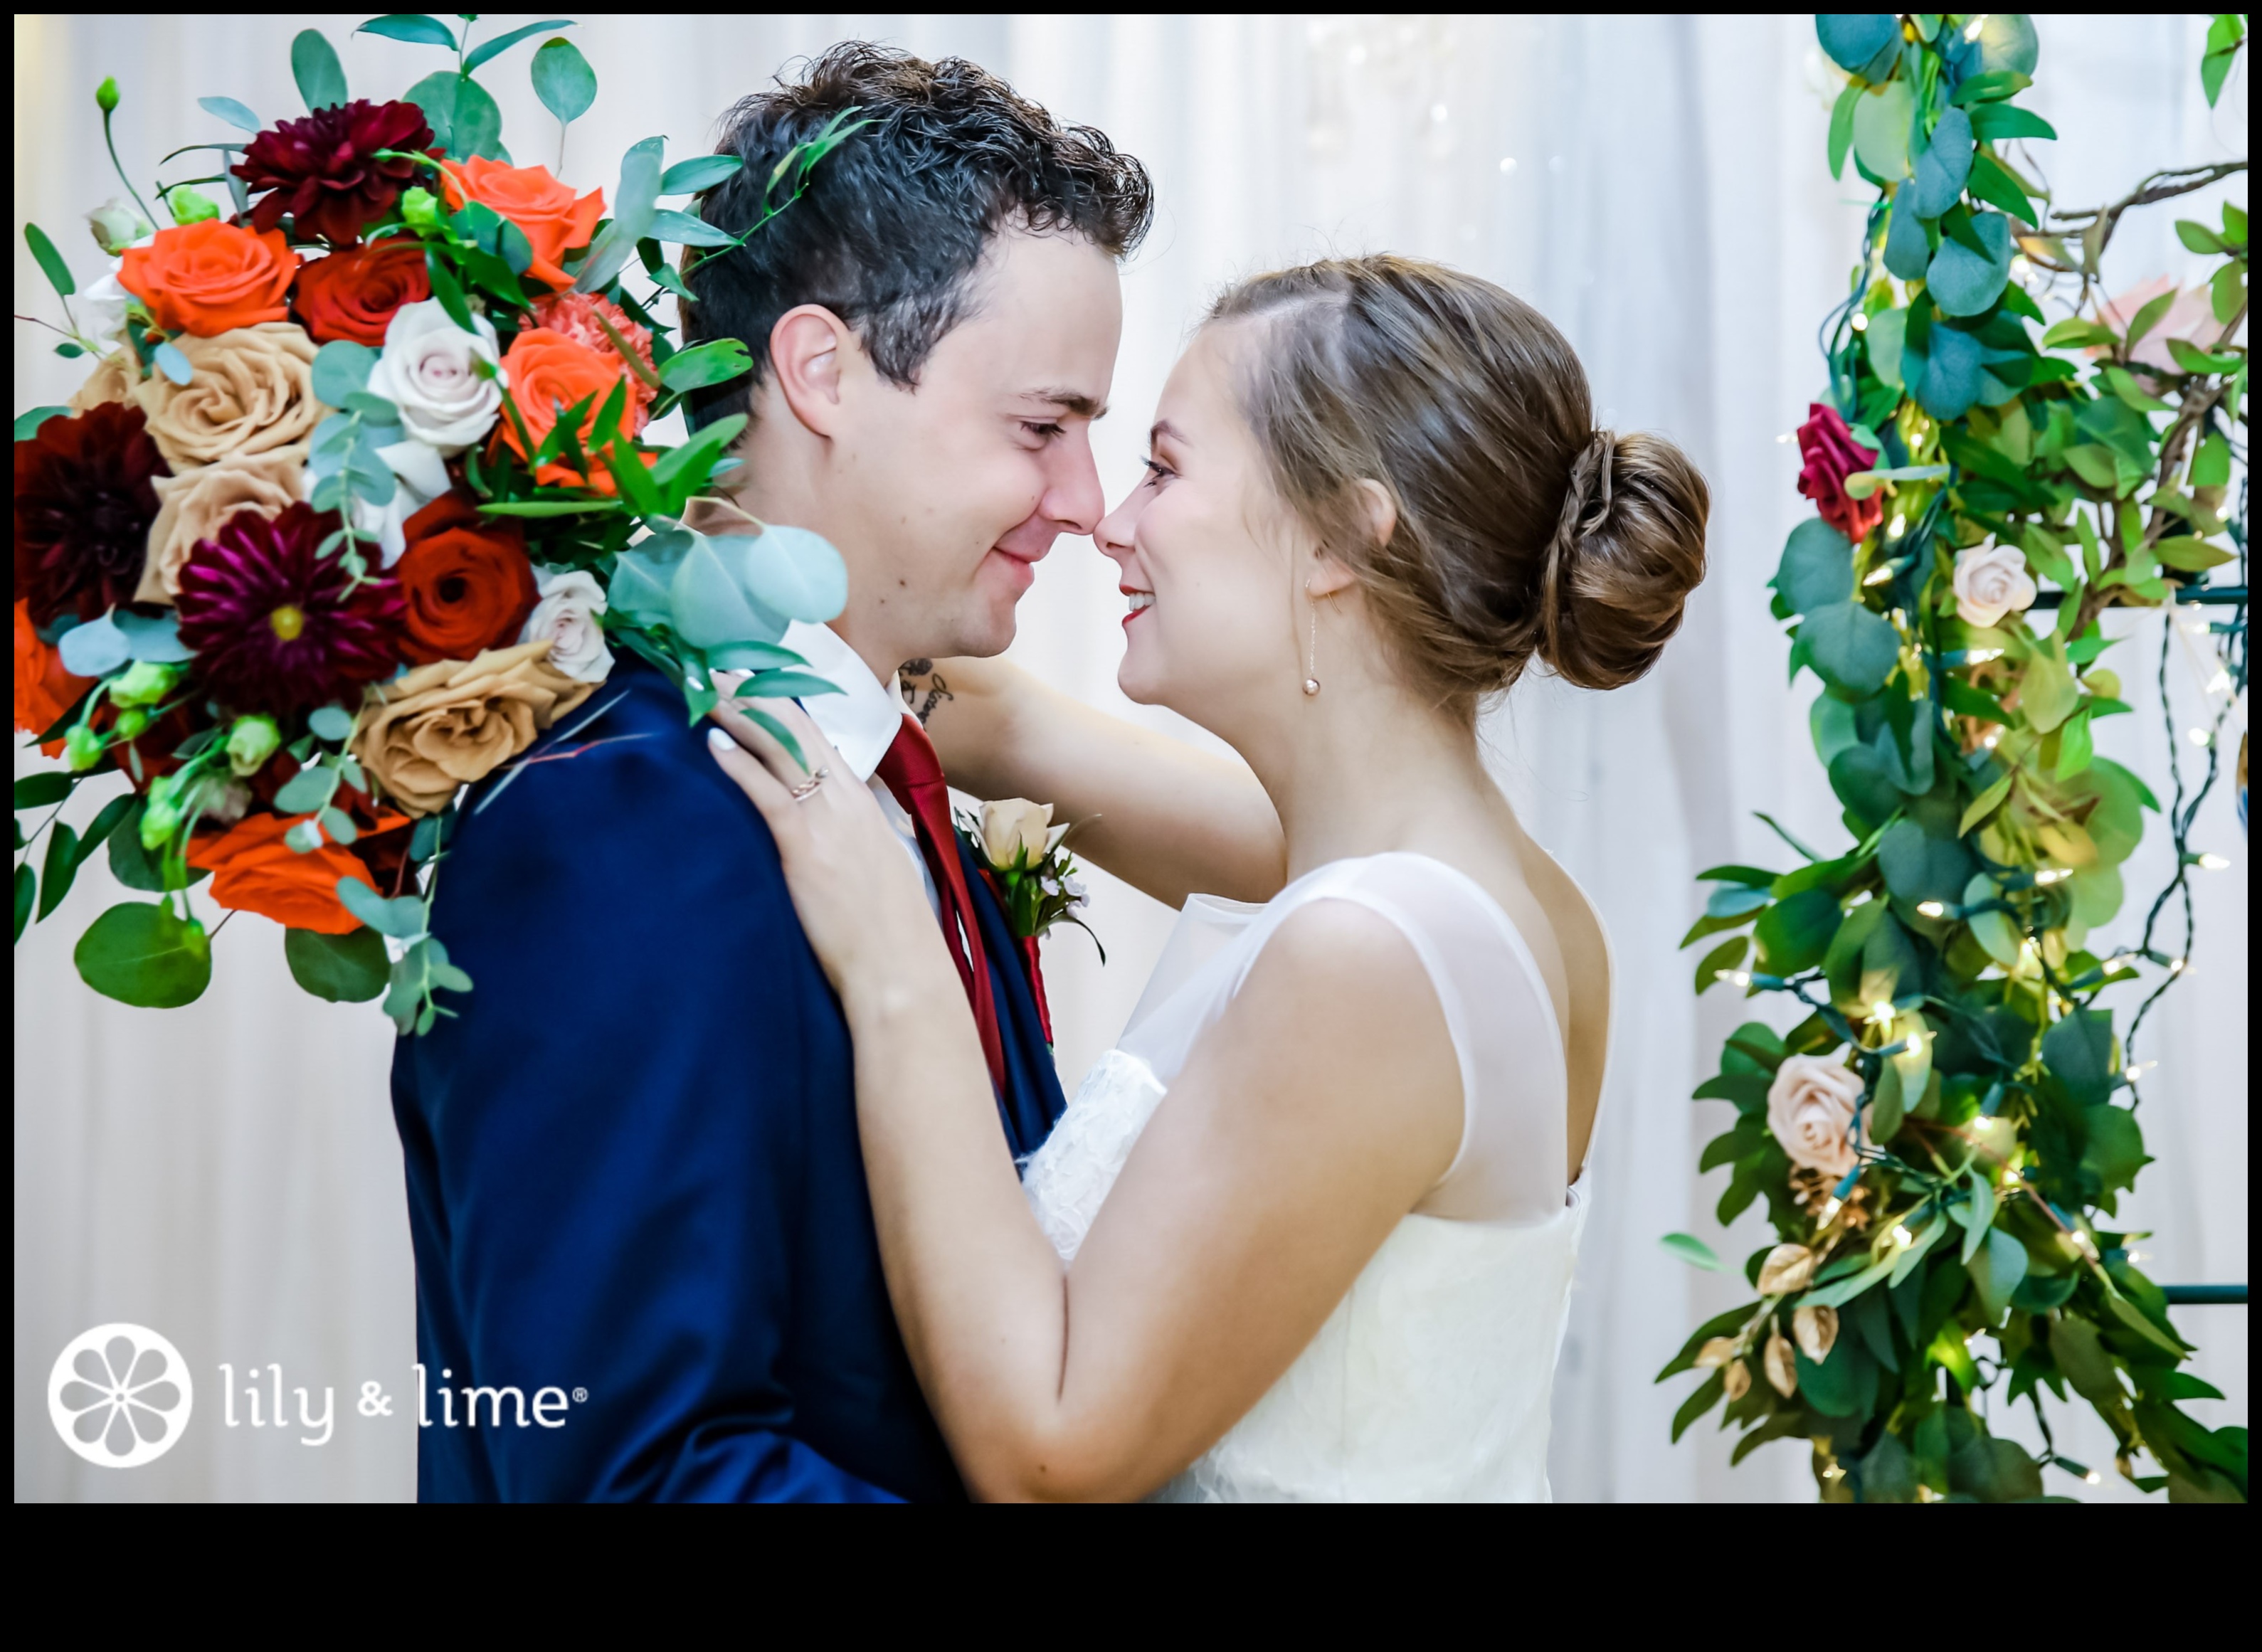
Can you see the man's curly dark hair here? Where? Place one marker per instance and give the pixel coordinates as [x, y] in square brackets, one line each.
[896, 219]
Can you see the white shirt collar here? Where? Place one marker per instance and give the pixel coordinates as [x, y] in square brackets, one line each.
[863, 719]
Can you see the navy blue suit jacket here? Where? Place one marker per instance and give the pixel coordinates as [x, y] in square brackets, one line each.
[633, 1159]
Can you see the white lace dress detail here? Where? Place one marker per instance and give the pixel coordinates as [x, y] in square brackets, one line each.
[1432, 1378]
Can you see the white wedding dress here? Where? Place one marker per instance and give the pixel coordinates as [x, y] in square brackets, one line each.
[1430, 1380]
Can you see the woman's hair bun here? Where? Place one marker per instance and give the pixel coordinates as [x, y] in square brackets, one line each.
[1522, 531]
[1629, 548]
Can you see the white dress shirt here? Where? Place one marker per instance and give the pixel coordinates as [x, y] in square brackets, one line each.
[861, 722]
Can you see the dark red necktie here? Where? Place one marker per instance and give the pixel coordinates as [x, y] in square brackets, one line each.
[912, 772]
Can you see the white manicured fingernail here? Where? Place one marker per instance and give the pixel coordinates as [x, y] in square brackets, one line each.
[719, 741]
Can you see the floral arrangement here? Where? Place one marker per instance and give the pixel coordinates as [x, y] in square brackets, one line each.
[1025, 859]
[358, 500]
[1941, 1137]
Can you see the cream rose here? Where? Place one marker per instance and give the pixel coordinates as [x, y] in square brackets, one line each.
[448, 724]
[191, 507]
[1811, 1108]
[1991, 581]
[1786, 1269]
[114, 379]
[429, 371]
[1816, 1331]
[251, 389]
[1013, 825]
[567, 617]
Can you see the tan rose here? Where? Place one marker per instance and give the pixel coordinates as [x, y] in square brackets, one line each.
[1737, 1380]
[1716, 1351]
[114, 379]
[192, 507]
[1991, 581]
[1811, 1108]
[450, 723]
[1781, 1369]
[1013, 825]
[1786, 1269]
[1816, 1330]
[251, 389]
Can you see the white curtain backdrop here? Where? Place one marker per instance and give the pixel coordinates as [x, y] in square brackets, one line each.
[228, 1173]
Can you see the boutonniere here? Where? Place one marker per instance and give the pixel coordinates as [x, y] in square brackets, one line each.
[1026, 857]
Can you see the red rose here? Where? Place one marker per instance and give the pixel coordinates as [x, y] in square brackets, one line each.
[467, 580]
[1831, 456]
[352, 295]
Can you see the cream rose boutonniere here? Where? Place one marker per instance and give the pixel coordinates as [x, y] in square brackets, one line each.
[1811, 1111]
[1991, 581]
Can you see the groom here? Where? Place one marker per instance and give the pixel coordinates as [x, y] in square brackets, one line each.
[632, 1162]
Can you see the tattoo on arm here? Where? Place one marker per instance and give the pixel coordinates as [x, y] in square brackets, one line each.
[922, 686]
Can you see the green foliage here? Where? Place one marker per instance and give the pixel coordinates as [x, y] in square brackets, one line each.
[1945, 965]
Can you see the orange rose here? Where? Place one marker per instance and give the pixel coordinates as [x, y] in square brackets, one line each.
[211, 277]
[550, 373]
[255, 871]
[545, 210]
[44, 689]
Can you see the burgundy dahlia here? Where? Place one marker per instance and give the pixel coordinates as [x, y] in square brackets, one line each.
[323, 171]
[84, 507]
[277, 626]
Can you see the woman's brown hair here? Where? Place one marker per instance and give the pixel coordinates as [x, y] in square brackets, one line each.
[1522, 530]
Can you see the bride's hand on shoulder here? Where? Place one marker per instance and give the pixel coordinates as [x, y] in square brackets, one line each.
[857, 892]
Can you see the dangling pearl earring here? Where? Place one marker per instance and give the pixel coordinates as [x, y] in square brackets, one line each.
[1312, 662]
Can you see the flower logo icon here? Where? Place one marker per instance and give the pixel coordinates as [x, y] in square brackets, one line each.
[119, 1395]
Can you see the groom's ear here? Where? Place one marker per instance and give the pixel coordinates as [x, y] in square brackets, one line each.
[808, 349]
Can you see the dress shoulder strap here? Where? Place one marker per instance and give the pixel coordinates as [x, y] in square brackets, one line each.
[1515, 1088]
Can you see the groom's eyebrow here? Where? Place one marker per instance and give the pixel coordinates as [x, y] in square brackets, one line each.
[1071, 401]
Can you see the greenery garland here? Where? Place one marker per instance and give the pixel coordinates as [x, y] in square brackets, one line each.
[1941, 1140]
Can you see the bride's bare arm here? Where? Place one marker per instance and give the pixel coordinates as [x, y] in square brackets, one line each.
[1167, 819]
[1306, 1123]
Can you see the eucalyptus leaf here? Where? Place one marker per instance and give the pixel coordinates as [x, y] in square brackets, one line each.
[314, 65]
[237, 115]
[1943, 168]
[563, 80]
[330, 722]
[1963, 282]
[351, 968]
[402, 917]
[1851, 648]
[1881, 130]
[172, 363]
[486, 51]
[27, 424]
[142, 954]
[435, 96]
[413, 27]
[1852, 41]
[634, 202]
[1908, 249]
[95, 648]
[1817, 569]
[153, 638]
[476, 124]
[341, 370]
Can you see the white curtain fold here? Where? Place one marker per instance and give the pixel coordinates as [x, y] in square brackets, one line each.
[228, 1175]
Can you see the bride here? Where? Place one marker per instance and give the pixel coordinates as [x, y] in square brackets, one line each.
[1307, 1232]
